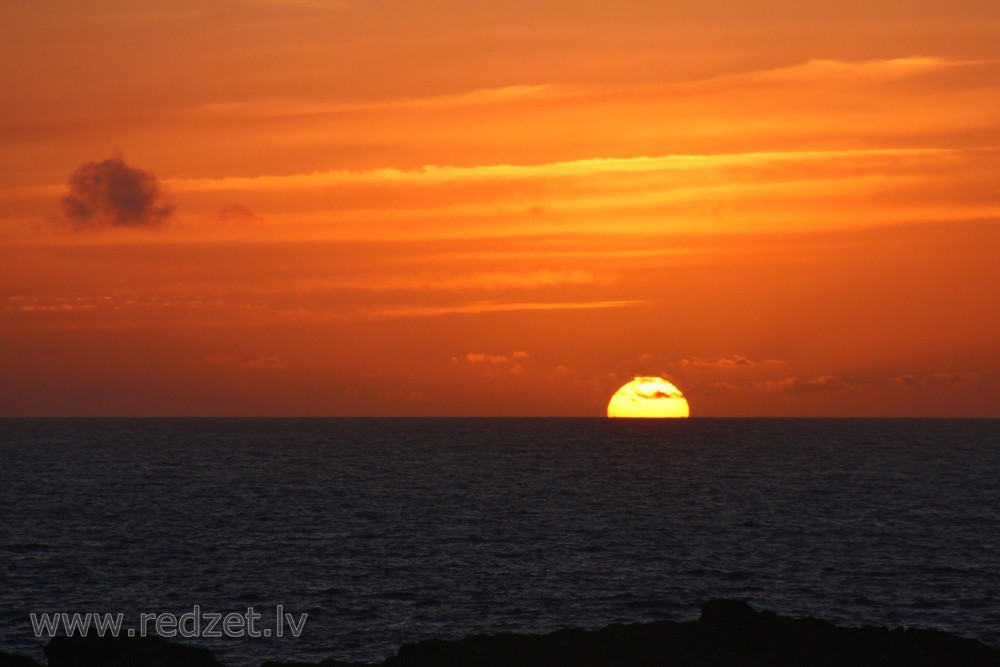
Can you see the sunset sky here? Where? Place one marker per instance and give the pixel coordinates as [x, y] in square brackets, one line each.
[392, 207]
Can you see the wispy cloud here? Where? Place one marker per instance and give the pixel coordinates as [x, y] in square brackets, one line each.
[824, 69]
[480, 281]
[575, 168]
[813, 70]
[497, 307]
[265, 364]
[297, 108]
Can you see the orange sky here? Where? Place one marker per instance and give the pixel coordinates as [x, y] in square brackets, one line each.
[350, 207]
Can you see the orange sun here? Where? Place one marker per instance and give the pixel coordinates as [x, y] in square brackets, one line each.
[648, 397]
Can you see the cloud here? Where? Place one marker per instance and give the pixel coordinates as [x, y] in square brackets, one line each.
[491, 359]
[235, 214]
[668, 164]
[734, 361]
[714, 388]
[510, 362]
[940, 379]
[821, 69]
[839, 72]
[470, 357]
[654, 388]
[661, 394]
[794, 385]
[265, 364]
[113, 194]
[481, 281]
[498, 307]
[955, 378]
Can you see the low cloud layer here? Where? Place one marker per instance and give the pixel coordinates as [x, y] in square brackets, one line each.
[938, 379]
[236, 214]
[734, 361]
[511, 363]
[494, 359]
[955, 378]
[794, 385]
[112, 193]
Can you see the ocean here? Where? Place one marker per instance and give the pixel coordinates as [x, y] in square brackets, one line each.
[387, 531]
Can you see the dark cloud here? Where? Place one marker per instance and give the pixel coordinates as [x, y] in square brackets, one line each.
[907, 381]
[658, 393]
[113, 194]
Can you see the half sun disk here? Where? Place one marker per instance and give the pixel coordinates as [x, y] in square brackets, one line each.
[648, 397]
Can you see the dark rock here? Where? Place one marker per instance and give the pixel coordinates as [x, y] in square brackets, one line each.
[728, 634]
[727, 612]
[325, 663]
[94, 651]
[14, 660]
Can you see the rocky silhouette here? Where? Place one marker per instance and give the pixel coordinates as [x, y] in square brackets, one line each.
[93, 651]
[729, 633]
[14, 660]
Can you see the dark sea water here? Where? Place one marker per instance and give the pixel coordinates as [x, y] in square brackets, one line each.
[390, 531]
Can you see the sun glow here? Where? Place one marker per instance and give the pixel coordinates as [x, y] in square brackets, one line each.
[648, 397]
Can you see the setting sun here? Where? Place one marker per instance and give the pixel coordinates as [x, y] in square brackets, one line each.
[648, 397]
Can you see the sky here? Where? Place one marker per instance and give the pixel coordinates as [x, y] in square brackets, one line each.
[499, 208]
